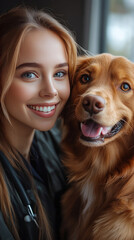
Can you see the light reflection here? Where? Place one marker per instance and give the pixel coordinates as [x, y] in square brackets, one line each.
[120, 30]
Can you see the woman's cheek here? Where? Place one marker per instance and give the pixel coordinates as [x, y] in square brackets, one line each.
[64, 91]
[19, 93]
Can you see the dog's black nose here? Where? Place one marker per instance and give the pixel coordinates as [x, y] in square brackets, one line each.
[93, 104]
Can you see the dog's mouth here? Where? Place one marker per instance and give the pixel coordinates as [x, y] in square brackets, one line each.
[92, 131]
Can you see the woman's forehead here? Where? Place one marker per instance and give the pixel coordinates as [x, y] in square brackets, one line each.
[42, 45]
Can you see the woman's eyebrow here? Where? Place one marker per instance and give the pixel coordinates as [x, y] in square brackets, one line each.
[34, 64]
[62, 65]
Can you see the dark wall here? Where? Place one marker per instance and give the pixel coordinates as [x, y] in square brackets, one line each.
[69, 12]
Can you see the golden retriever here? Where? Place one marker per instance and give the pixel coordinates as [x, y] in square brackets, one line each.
[99, 150]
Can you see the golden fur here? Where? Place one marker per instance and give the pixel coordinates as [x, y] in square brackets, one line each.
[99, 204]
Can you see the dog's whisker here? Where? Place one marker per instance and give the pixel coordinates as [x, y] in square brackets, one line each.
[127, 124]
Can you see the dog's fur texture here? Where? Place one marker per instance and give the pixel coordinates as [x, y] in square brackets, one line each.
[99, 151]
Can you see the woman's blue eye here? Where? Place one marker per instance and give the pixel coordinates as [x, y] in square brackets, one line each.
[59, 74]
[28, 75]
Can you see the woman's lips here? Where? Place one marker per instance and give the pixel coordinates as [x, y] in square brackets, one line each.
[43, 111]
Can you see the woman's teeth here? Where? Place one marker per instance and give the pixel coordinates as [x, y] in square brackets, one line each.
[43, 109]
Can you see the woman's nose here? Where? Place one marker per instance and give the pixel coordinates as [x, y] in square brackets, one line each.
[48, 89]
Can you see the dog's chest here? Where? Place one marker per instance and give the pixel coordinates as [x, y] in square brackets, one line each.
[88, 197]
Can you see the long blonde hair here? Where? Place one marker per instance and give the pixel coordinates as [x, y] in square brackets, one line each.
[13, 27]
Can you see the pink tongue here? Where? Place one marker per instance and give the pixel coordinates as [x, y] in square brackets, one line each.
[93, 129]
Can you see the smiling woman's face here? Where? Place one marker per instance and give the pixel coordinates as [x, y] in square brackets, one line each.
[40, 87]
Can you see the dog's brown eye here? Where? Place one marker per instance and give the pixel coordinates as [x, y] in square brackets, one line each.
[125, 87]
[85, 78]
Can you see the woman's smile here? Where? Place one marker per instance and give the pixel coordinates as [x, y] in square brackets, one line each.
[43, 110]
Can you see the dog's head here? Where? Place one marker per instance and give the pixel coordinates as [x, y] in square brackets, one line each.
[102, 98]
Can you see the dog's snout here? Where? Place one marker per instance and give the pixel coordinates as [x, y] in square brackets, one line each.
[93, 104]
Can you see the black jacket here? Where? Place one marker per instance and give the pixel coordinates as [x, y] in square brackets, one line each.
[49, 177]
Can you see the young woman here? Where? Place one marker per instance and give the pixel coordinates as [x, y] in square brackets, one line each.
[37, 62]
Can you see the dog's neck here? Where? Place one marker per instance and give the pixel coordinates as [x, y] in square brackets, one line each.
[96, 162]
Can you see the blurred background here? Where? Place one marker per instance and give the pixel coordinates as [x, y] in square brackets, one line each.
[98, 25]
